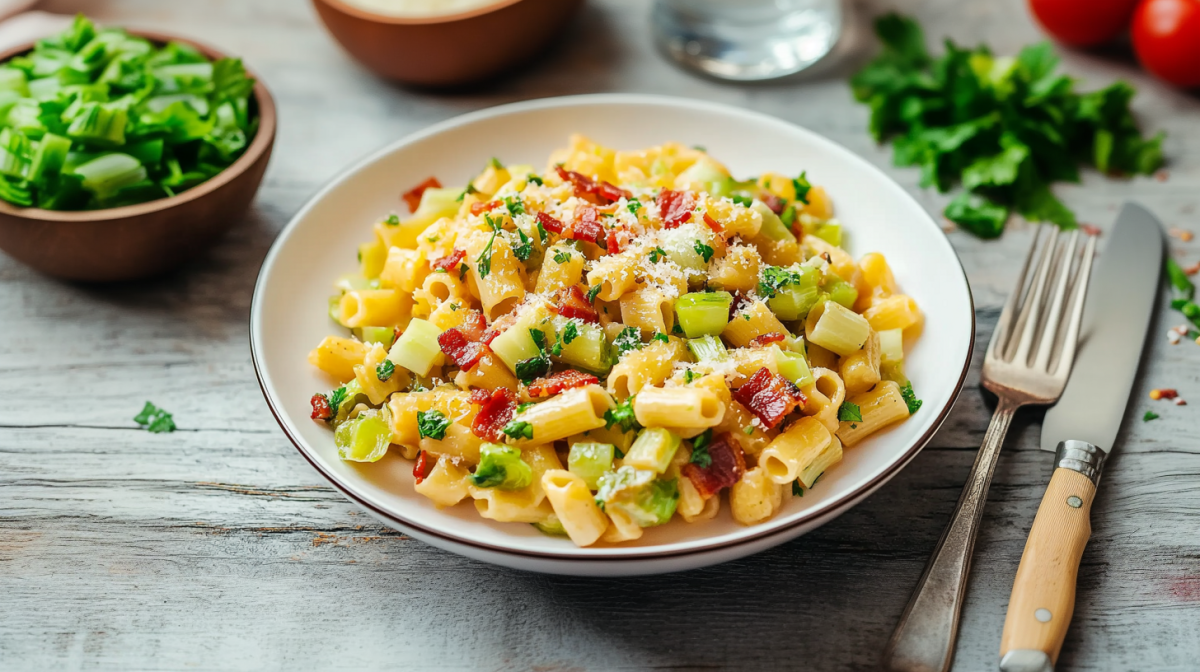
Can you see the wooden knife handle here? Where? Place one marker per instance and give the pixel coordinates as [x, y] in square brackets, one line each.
[1043, 594]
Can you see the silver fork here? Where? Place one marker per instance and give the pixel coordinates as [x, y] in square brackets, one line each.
[1027, 363]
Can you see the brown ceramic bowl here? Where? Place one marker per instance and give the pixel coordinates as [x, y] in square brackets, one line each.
[136, 241]
[451, 49]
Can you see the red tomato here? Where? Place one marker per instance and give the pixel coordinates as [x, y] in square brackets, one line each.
[1083, 23]
[1166, 37]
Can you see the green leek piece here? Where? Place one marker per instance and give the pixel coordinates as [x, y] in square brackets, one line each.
[417, 349]
[703, 313]
[840, 291]
[102, 123]
[794, 367]
[590, 461]
[107, 174]
[551, 526]
[638, 493]
[365, 438]
[14, 154]
[501, 467]
[792, 302]
[588, 348]
[708, 349]
[830, 232]
[381, 335]
[12, 79]
[49, 158]
[772, 227]
[515, 344]
[653, 449]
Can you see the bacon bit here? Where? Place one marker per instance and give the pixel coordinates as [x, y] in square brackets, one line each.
[612, 243]
[480, 395]
[713, 224]
[676, 207]
[740, 301]
[775, 203]
[1193, 269]
[423, 468]
[586, 186]
[450, 261]
[320, 407]
[766, 339]
[1163, 393]
[473, 325]
[494, 413]
[1162, 176]
[1182, 234]
[465, 353]
[769, 396]
[549, 222]
[572, 303]
[480, 208]
[562, 381]
[1090, 229]
[413, 196]
[587, 226]
[726, 467]
[1180, 402]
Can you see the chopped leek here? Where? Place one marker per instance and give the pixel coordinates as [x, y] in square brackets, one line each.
[501, 467]
[772, 226]
[794, 367]
[708, 349]
[590, 461]
[417, 348]
[638, 493]
[703, 313]
[653, 449]
[365, 438]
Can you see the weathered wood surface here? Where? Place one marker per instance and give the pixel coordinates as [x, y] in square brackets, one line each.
[219, 547]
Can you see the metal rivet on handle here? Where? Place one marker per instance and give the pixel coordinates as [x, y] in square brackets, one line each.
[1074, 502]
[1043, 615]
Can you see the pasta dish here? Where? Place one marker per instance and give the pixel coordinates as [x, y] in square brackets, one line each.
[623, 337]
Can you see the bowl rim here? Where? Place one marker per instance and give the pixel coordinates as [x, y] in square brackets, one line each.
[359, 13]
[848, 500]
[263, 138]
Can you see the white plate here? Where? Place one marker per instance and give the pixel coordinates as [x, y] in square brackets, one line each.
[288, 315]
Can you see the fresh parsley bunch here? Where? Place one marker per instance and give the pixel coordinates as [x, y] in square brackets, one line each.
[1005, 127]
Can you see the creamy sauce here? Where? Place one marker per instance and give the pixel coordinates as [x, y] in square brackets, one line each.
[418, 8]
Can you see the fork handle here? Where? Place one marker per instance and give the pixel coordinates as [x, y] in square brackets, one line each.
[924, 639]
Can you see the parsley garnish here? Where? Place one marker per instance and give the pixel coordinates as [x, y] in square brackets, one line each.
[703, 250]
[542, 235]
[659, 336]
[622, 416]
[1150, 415]
[700, 456]
[337, 398]
[676, 329]
[392, 220]
[634, 206]
[562, 256]
[571, 331]
[741, 200]
[910, 398]
[484, 261]
[462, 272]
[515, 205]
[385, 370]
[773, 278]
[535, 179]
[522, 407]
[789, 215]
[849, 412]
[432, 424]
[797, 489]
[539, 338]
[689, 376]
[525, 249]
[518, 429]
[802, 186]
[591, 295]
[749, 430]
[630, 338]
[534, 367]
[656, 254]
[154, 419]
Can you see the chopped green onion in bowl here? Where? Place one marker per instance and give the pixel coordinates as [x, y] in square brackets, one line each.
[95, 118]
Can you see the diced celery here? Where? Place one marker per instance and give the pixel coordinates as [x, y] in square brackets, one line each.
[372, 257]
[14, 154]
[841, 291]
[365, 438]
[837, 328]
[653, 449]
[792, 302]
[551, 526]
[703, 313]
[893, 371]
[680, 245]
[590, 461]
[99, 122]
[501, 467]
[12, 79]
[417, 348]
[702, 173]
[106, 175]
[708, 349]
[44, 88]
[381, 335]
[830, 232]
[588, 349]
[435, 204]
[647, 500]
[891, 346]
[49, 158]
[772, 226]
[515, 344]
[794, 367]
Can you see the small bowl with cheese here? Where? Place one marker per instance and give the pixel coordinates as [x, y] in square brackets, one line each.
[440, 43]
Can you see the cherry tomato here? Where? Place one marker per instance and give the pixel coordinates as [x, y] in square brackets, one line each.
[1083, 23]
[1166, 37]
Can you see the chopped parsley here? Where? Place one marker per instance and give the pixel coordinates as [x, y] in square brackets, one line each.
[591, 295]
[337, 398]
[789, 215]
[515, 205]
[156, 420]
[703, 250]
[432, 424]
[539, 338]
[676, 329]
[392, 220]
[910, 398]
[535, 367]
[849, 412]
[484, 261]
[542, 235]
[797, 489]
[525, 249]
[802, 186]
[495, 163]
[622, 416]
[656, 254]
[689, 376]
[535, 179]
[385, 370]
[700, 456]
[629, 339]
[1150, 415]
[524, 406]
[519, 429]
[571, 331]
[749, 430]
[634, 206]
[562, 256]
[741, 200]
[774, 278]
[659, 336]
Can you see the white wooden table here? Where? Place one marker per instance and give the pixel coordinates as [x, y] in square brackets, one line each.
[219, 547]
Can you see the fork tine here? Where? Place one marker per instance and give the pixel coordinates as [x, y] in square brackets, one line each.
[1079, 292]
[1027, 324]
[999, 344]
[1054, 316]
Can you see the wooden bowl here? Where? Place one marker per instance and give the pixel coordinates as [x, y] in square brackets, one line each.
[447, 50]
[136, 241]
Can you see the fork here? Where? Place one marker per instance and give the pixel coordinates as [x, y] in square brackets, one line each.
[1027, 363]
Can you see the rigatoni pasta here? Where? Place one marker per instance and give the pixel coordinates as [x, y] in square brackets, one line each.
[623, 339]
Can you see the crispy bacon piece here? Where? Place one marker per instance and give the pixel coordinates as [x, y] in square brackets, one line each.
[320, 407]
[726, 467]
[480, 208]
[412, 197]
[562, 381]
[769, 396]
[494, 413]
[465, 352]
[549, 222]
[587, 225]
[612, 243]
[739, 302]
[573, 303]
[449, 262]
[423, 467]
[586, 186]
[775, 203]
[675, 207]
[480, 395]
[766, 339]
[713, 224]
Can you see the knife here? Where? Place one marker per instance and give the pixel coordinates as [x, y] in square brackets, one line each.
[1080, 430]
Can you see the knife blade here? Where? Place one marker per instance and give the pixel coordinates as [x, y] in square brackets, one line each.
[1081, 429]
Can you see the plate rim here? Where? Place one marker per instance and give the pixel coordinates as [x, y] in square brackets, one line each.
[634, 554]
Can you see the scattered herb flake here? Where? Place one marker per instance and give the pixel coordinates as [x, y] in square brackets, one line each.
[432, 424]
[392, 220]
[1150, 415]
[797, 489]
[591, 294]
[700, 456]
[562, 256]
[910, 398]
[622, 416]
[656, 254]
[385, 370]
[154, 419]
[519, 429]
[703, 250]
[849, 412]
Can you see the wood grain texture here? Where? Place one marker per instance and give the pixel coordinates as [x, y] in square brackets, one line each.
[1043, 594]
[219, 547]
